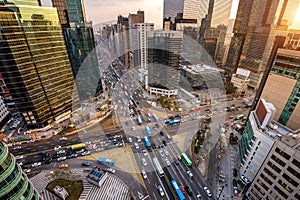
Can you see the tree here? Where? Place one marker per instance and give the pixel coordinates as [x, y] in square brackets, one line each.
[230, 88]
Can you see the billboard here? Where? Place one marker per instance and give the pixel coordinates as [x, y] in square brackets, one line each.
[261, 112]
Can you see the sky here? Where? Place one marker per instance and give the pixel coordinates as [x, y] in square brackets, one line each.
[102, 11]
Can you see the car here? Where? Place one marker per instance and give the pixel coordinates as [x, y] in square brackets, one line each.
[129, 140]
[48, 161]
[179, 157]
[235, 191]
[63, 139]
[166, 152]
[20, 163]
[136, 146]
[188, 190]
[86, 153]
[36, 164]
[73, 155]
[85, 163]
[138, 139]
[161, 191]
[234, 172]
[17, 147]
[61, 152]
[168, 136]
[182, 189]
[132, 128]
[161, 133]
[144, 161]
[245, 179]
[176, 162]
[57, 148]
[19, 157]
[198, 196]
[167, 162]
[110, 170]
[144, 174]
[164, 142]
[62, 166]
[26, 170]
[162, 153]
[145, 152]
[61, 158]
[190, 174]
[80, 151]
[207, 191]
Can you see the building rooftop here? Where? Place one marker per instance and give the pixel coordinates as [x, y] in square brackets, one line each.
[292, 139]
[200, 68]
[96, 175]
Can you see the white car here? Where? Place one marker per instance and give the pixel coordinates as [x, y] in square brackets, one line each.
[26, 170]
[190, 174]
[162, 153]
[136, 146]
[86, 153]
[145, 152]
[17, 147]
[57, 148]
[167, 162]
[63, 139]
[129, 140]
[144, 161]
[144, 174]
[36, 164]
[245, 179]
[198, 196]
[61, 158]
[166, 152]
[110, 170]
[161, 191]
[138, 139]
[207, 191]
[19, 157]
[61, 152]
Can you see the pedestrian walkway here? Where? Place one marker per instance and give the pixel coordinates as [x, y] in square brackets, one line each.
[86, 189]
[111, 189]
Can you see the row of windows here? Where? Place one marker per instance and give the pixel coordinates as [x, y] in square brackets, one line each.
[282, 153]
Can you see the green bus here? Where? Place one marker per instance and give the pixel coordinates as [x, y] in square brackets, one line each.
[186, 160]
[241, 116]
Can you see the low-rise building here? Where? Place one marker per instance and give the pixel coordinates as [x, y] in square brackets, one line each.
[241, 80]
[97, 177]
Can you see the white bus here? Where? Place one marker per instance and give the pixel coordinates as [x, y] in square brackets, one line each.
[158, 167]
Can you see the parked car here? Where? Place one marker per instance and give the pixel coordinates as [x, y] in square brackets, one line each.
[57, 148]
[167, 162]
[182, 189]
[198, 196]
[129, 140]
[63, 139]
[86, 153]
[26, 170]
[136, 146]
[19, 157]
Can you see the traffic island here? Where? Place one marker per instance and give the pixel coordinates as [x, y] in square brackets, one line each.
[74, 188]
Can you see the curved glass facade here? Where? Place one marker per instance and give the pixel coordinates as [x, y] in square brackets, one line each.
[14, 183]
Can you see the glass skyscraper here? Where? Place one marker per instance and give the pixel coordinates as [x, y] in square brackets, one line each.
[34, 62]
[14, 184]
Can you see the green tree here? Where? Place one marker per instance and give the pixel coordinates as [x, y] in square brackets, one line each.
[230, 88]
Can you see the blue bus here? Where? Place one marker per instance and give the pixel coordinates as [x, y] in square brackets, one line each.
[172, 122]
[177, 190]
[131, 97]
[139, 120]
[155, 117]
[148, 131]
[147, 142]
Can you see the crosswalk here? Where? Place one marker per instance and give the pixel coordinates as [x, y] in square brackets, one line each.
[46, 195]
[111, 189]
[86, 189]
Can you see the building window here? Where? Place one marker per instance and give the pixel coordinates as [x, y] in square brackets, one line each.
[285, 186]
[296, 163]
[274, 167]
[280, 162]
[294, 172]
[290, 180]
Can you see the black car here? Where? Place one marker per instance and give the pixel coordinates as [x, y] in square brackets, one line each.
[164, 142]
[48, 161]
[234, 172]
[86, 163]
[234, 183]
[161, 133]
[188, 190]
[176, 162]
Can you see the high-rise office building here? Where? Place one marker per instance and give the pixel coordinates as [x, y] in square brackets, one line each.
[139, 17]
[139, 32]
[14, 183]
[256, 25]
[282, 87]
[79, 38]
[164, 48]
[34, 62]
[279, 177]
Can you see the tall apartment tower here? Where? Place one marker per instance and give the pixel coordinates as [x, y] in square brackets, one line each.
[34, 61]
[254, 32]
[282, 87]
[279, 177]
[139, 17]
[79, 38]
[14, 183]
